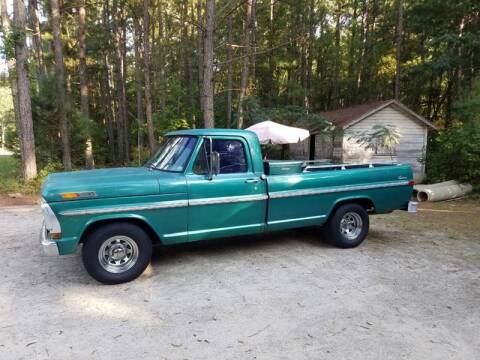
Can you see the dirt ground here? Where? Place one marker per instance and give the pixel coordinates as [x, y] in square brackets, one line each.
[14, 199]
[411, 291]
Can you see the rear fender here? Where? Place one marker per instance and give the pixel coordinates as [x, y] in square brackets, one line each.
[364, 200]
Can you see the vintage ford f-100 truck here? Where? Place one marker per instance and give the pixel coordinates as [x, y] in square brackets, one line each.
[204, 184]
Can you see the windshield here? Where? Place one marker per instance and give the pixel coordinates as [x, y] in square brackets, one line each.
[173, 154]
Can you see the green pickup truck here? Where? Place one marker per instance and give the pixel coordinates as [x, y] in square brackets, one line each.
[209, 183]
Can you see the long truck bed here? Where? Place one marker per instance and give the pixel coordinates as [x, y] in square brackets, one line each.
[307, 197]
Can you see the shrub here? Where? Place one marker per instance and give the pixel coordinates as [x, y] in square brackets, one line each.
[455, 154]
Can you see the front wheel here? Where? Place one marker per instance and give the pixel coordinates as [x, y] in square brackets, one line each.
[348, 226]
[117, 253]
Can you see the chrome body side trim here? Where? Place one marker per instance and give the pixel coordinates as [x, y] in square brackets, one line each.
[196, 232]
[51, 222]
[318, 191]
[226, 200]
[118, 209]
[296, 219]
[213, 201]
[166, 205]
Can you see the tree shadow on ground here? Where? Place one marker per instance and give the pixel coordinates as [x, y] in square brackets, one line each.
[249, 243]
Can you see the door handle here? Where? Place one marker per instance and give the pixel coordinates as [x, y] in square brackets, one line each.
[251, 181]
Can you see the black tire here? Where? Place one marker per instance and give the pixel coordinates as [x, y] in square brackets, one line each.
[118, 237]
[343, 237]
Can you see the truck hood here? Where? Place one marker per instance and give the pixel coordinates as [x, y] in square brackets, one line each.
[103, 183]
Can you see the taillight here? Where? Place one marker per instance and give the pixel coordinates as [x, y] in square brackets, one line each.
[411, 183]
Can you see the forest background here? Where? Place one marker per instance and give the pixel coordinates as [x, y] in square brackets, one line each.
[87, 83]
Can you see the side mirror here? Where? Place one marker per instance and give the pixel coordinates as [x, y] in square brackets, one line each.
[215, 164]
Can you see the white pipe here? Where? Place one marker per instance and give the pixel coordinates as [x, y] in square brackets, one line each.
[441, 191]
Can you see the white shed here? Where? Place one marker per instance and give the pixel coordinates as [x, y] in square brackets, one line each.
[351, 121]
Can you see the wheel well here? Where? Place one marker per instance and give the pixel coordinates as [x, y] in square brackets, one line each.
[140, 223]
[367, 204]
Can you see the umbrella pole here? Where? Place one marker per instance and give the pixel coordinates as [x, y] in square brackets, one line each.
[284, 151]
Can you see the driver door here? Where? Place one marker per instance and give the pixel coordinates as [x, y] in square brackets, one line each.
[234, 201]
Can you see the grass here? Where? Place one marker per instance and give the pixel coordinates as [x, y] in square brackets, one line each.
[9, 174]
[11, 177]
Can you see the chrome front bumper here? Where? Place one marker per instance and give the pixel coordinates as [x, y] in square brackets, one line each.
[49, 247]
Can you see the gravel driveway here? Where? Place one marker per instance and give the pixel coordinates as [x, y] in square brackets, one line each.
[411, 291]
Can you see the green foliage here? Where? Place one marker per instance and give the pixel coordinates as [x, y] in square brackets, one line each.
[45, 121]
[167, 122]
[379, 137]
[7, 118]
[467, 109]
[9, 166]
[300, 58]
[10, 176]
[455, 154]
[289, 115]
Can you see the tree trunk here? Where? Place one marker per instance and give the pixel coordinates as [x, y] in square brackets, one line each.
[200, 35]
[84, 107]
[351, 57]
[336, 78]
[109, 113]
[146, 61]
[27, 141]
[60, 79]
[310, 45]
[271, 62]
[119, 80]
[368, 58]
[229, 71]
[207, 91]
[137, 41]
[106, 84]
[36, 38]
[245, 60]
[187, 67]
[253, 60]
[126, 123]
[162, 61]
[398, 46]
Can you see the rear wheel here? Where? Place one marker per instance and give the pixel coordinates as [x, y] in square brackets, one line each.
[117, 253]
[348, 226]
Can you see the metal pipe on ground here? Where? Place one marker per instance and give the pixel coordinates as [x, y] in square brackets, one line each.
[446, 190]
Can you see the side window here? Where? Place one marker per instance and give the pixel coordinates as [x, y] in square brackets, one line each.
[232, 157]
[200, 166]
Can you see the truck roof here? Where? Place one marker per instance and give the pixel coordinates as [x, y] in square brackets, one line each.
[249, 136]
[206, 132]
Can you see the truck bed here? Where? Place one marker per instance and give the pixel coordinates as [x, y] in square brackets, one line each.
[285, 167]
[307, 193]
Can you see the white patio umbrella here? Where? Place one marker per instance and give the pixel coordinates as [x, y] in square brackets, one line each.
[270, 132]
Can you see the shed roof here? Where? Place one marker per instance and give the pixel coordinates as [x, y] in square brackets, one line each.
[349, 116]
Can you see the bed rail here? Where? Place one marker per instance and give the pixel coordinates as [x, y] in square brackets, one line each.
[306, 167]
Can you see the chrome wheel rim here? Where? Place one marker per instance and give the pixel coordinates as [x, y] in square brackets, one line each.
[118, 254]
[351, 225]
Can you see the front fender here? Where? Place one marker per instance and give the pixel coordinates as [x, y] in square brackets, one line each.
[114, 217]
